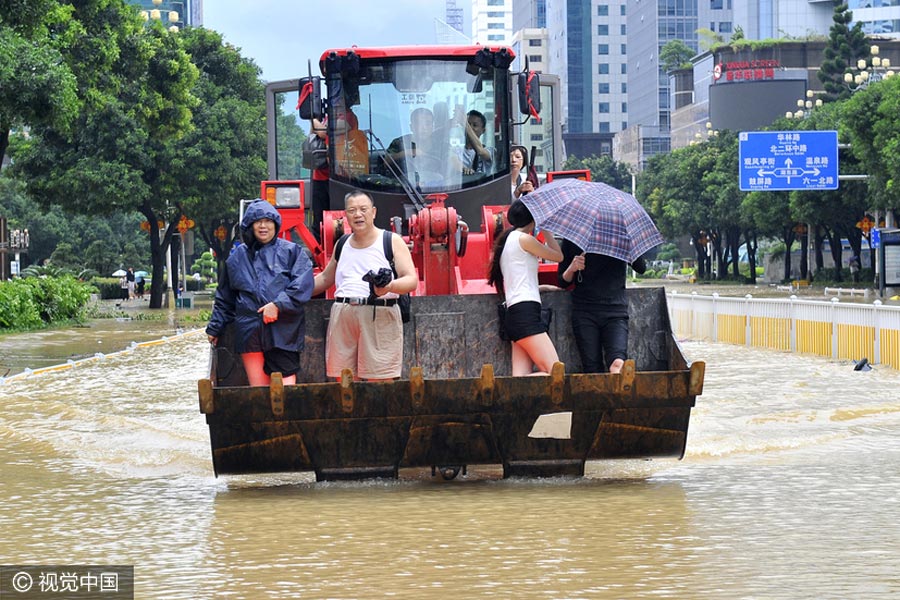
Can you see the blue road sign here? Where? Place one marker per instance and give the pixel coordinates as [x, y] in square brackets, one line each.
[788, 160]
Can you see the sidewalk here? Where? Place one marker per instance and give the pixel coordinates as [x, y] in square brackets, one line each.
[766, 290]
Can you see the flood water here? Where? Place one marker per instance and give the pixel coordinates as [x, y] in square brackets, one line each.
[790, 489]
[40, 349]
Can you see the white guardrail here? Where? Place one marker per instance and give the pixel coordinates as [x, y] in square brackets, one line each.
[826, 328]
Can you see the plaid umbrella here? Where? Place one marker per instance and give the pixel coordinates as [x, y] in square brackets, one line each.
[598, 218]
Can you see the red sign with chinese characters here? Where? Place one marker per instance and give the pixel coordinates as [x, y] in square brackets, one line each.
[747, 70]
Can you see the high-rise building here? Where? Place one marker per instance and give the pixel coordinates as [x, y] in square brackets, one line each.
[878, 17]
[529, 14]
[767, 19]
[454, 16]
[607, 53]
[651, 25]
[587, 49]
[492, 22]
[654, 23]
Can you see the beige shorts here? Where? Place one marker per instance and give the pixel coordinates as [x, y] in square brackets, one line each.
[371, 348]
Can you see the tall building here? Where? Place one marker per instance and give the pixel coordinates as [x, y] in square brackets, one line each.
[529, 14]
[492, 22]
[651, 25]
[454, 16]
[446, 35]
[878, 17]
[766, 19]
[587, 49]
[531, 45]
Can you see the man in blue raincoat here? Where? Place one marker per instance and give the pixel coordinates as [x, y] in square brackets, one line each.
[262, 290]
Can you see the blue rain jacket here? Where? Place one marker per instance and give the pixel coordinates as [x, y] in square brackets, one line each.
[279, 272]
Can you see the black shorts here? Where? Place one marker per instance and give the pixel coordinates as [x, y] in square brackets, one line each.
[276, 360]
[524, 320]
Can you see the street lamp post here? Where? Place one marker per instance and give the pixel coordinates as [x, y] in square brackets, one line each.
[158, 14]
[808, 104]
[868, 72]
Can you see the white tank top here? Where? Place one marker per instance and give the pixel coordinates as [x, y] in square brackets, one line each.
[520, 271]
[356, 262]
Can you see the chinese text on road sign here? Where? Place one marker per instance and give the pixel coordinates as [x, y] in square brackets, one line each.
[788, 160]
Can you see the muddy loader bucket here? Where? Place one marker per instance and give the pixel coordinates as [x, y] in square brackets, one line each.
[442, 413]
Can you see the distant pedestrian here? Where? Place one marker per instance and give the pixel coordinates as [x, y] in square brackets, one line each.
[140, 282]
[854, 268]
[129, 277]
[123, 287]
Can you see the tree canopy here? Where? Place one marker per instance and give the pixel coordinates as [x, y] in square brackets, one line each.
[603, 168]
[845, 46]
[676, 55]
[227, 145]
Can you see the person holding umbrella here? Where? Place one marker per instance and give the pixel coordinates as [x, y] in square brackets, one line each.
[599, 306]
[604, 230]
[514, 272]
[140, 282]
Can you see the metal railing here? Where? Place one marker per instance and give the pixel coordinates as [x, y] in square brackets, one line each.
[848, 331]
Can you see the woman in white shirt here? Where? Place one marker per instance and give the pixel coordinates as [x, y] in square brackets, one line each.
[514, 272]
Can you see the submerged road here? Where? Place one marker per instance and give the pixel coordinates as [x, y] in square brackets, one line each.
[788, 490]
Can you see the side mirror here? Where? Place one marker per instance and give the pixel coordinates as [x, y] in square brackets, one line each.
[530, 93]
[310, 102]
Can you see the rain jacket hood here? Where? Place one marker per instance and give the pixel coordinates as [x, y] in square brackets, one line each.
[279, 272]
[259, 209]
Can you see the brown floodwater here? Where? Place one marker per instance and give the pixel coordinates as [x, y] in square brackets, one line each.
[790, 488]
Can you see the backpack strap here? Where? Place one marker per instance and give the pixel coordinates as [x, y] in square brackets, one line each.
[339, 246]
[388, 241]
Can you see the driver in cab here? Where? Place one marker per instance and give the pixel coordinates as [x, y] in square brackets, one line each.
[418, 153]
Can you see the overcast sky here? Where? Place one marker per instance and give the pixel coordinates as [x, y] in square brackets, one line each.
[281, 35]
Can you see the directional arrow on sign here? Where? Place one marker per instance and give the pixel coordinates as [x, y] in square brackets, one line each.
[787, 171]
[788, 160]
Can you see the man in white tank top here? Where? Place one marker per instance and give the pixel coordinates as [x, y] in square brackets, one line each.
[365, 335]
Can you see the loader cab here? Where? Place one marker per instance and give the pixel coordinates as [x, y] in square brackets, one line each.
[413, 113]
[396, 120]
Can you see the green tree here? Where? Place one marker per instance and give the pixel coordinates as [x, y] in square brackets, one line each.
[36, 83]
[668, 187]
[770, 213]
[135, 84]
[845, 46]
[871, 120]
[603, 168]
[223, 158]
[708, 39]
[290, 146]
[833, 214]
[694, 191]
[65, 257]
[676, 55]
[206, 265]
[100, 257]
